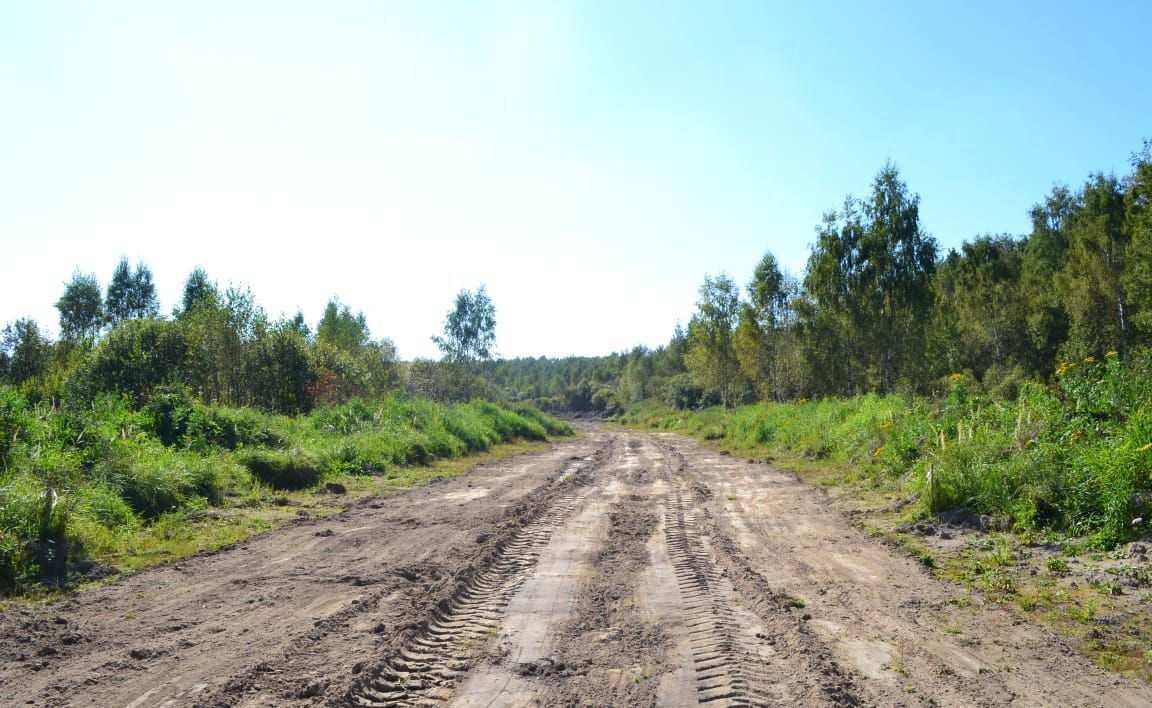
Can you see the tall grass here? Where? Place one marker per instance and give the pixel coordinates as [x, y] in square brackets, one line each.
[1074, 456]
[81, 482]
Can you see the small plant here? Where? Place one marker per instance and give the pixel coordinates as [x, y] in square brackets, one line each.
[1110, 587]
[1057, 566]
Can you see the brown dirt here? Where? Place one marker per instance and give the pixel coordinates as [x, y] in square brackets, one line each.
[619, 568]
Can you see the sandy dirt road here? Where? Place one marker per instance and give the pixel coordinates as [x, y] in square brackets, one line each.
[617, 569]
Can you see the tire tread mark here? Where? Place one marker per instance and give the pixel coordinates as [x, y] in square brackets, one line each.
[727, 673]
[424, 670]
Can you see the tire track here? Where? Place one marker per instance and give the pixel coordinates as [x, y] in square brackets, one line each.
[424, 671]
[727, 671]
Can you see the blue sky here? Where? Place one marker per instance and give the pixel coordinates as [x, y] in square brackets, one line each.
[589, 162]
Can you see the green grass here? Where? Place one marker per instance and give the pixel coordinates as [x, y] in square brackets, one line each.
[134, 486]
[1075, 456]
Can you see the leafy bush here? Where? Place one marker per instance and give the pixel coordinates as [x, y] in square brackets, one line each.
[35, 541]
[507, 424]
[551, 425]
[15, 420]
[178, 420]
[156, 480]
[282, 470]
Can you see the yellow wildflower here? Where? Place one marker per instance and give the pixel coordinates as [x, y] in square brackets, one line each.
[1090, 360]
[1145, 448]
[1109, 355]
[956, 377]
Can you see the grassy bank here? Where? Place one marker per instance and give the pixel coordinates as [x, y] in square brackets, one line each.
[1074, 457]
[112, 485]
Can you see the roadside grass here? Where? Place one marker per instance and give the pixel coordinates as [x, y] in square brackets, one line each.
[1075, 456]
[1062, 476]
[119, 488]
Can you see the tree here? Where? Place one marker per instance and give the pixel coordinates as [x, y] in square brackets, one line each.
[24, 351]
[340, 328]
[711, 357]
[136, 358]
[469, 328]
[897, 261]
[279, 371]
[764, 335]
[131, 294]
[829, 311]
[1092, 282]
[981, 313]
[81, 307]
[1045, 256]
[869, 286]
[1138, 222]
[199, 291]
[469, 339]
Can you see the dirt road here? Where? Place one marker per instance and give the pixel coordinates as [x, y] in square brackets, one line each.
[617, 569]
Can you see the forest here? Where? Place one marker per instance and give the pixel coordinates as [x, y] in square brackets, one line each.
[881, 309]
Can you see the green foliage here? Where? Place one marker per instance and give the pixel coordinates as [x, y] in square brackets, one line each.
[869, 288]
[1075, 456]
[15, 422]
[131, 294]
[342, 329]
[711, 356]
[469, 328]
[176, 419]
[88, 478]
[551, 425]
[199, 292]
[469, 340]
[81, 307]
[24, 352]
[282, 470]
[135, 359]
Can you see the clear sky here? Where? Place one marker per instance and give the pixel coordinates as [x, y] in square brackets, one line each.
[590, 162]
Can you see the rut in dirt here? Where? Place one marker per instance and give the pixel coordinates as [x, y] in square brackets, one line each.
[728, 672]
[449, 642]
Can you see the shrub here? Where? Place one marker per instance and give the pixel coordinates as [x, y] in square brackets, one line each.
[506, 423]
[282, 470]
[551, 425]
[15, 420]
[178, 420]
[34, 540]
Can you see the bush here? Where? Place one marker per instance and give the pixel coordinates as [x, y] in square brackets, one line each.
[282, 470]
[178, 420]
[345, 418]
[155, 480]
[507, 424]
[551, 425]
[15, 420]
[34, 540]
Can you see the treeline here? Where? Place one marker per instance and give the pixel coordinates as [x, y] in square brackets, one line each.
[880, 309]
[218, 343]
